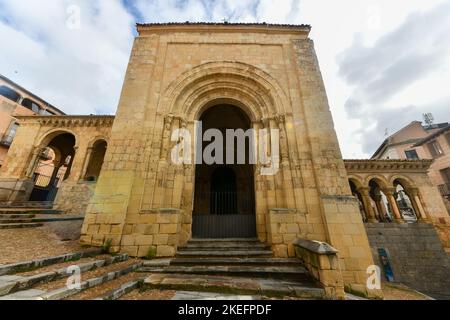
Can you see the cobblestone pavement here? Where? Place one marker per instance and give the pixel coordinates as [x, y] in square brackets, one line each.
[29, 244]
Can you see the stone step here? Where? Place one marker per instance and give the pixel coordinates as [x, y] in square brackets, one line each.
[223, 246]
[40, 220]
[235, 261]
[119, 292]
[65, 292]
[12, 284]
[226, 253]
[45, 262]
[240, 240]
[284, 272]
[27, 204]
[28, 211]
[20, 225]
[17, 216]
[233, 285]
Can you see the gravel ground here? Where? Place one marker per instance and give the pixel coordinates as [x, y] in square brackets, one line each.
[19, 245]
[401, 292]
[149, 295]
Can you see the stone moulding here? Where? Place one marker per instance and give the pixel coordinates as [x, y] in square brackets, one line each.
[387, 165]
[322, 262]
[316, 246]
[162, 211]
[284, 211]
[69, 121]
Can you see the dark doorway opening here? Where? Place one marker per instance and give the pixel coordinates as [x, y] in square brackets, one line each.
[224, 201]
[223, 192]
[53, 167]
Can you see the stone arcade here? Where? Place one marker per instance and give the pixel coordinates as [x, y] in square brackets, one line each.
[229, 76]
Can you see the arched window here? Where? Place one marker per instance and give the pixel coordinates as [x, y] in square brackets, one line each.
[404, 203]
[96, 161]
[358, 196]
[30, 104]
[381, 205]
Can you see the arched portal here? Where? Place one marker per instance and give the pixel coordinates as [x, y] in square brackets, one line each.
[224, 201]
[96, 161]
[379, 202]
[53, 167]
[358, 196]
[404, 202]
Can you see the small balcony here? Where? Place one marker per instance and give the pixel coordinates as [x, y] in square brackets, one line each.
[445, 190]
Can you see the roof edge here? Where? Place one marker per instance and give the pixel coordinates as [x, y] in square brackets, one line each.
[302, 28]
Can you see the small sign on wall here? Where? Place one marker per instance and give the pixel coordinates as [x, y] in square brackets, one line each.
[386, 265]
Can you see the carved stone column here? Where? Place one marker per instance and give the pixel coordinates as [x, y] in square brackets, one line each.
[32, 165]
[381, 208]
[86, 163]
[393, 203]
[365, 194]
[418, 207]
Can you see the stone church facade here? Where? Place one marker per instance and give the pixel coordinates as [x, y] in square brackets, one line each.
[229, 76]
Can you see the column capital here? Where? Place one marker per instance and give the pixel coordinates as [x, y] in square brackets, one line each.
[389, 191]
[413, 191]
[364, 190]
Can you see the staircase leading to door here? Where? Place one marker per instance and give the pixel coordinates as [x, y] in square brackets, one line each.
[26, 215]
[238, 266]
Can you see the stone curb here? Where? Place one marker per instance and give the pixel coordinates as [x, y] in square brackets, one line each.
[23, 283]
[235, 286]
[39, 263]
[8, 221]
[63, 293]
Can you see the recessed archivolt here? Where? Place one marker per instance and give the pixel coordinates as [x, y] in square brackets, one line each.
[97, 139]
[255, 106]
[243, 78]
[48, 136]
[406, 182]
[358, 181]
[380, 180]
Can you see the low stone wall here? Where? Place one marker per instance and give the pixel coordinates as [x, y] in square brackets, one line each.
[73, 198]
[158, 229]
[321, 260]
[283, 228]
[14, 190]
[442, 226]
[416, 255]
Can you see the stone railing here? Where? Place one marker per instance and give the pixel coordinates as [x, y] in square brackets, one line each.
[321, 260]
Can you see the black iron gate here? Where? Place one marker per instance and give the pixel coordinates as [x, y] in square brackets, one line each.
[211, 226]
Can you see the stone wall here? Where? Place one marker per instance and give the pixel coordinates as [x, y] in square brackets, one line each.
[416, 254]
[73, 197]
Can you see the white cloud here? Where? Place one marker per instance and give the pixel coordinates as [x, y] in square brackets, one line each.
[81, 71]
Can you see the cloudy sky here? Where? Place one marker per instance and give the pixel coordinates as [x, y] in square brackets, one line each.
[385, 62]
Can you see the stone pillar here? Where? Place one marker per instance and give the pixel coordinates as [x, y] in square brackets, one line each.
[393, 203]
[32, 165]
[86, 163]
[418, 207]
[380, 206]
[368, 207]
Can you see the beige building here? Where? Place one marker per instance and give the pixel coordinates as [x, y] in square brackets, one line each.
[17, 101]
[121, 170]
[416, 141]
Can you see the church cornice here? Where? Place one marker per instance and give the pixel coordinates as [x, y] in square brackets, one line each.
[68, 121]
[387, 165]
[143, 28]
